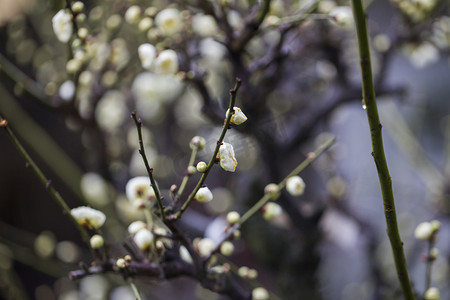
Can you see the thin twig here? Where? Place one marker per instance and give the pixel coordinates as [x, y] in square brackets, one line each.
[378, 150]
[138, 123]
[45, 181]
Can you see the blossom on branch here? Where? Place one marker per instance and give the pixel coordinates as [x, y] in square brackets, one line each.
[228, 160]
[88, 217]
[62, 26]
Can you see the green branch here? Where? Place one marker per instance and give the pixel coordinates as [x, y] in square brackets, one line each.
[45, 181]
[378, 150]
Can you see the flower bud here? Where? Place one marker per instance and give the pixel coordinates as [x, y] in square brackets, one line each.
[260, 293]
[227, 248]
[423, 231]
[432, 294]
[233, 217]
[434, 253]
[145, 24]
[184, 254]
[197, 142]
[133, 14]
[201, 167]
[203, 195]
[134, 227]
[435, 226]
[271, 210]
[143, 239]
[272, 188]
[343, 16]
[191, 170]
[77, 7]
[295, 186]
[96, 241]
[121, 263]
[147, 54]
[83, 32]
[205, 247]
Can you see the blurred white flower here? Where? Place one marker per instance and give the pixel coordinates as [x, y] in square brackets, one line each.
[143, 239]
[166, 62]
[205, 246]
[94, 287]
[228, 161]
[88, 217]
[119, 55]
[227, 248]
[67, 90]
[133, 14]
[149, 89]
[432, 294]
[169, 21]
[260, 293]
[421, 55]
[203, 195]
[343, 16]
[122, 293]
[204, 25]
[62, 26]
[295, 185]
[111, 111]
[134, 227]
[139, 189]
[423, 231]
[147, 54]
[184, 254]
[238, 117]
[94, 189]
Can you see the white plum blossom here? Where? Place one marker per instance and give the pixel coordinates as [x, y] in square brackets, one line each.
[166, 62]
[143, 239]
[228, 161]
[204, 25]
[62, 26]
[169, 21]
[203, 195]
[147, 55]
[138, 189]
[238, 117]
[88, 217]
[295, 186]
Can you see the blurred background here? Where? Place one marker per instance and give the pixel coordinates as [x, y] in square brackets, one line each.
[69, 104]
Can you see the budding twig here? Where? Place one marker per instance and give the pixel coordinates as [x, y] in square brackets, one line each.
[212, 161]
[138, 123]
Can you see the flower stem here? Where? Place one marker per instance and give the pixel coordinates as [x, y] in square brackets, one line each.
[138, 123]
[135, 291]
[45, 181]
[378, 150]
[212, 161]
[187, 176]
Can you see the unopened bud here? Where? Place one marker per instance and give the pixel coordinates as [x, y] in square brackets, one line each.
[201, 167]
[96, 241]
